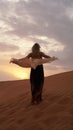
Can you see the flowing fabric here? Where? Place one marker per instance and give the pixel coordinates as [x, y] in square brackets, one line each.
[27, 62]
[37, 81]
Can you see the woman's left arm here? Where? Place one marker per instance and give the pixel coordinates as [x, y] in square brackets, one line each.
[44, 55]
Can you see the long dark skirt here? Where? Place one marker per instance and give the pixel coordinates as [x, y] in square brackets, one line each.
[37, 81]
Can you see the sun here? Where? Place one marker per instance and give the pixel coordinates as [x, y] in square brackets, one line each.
[21, 75]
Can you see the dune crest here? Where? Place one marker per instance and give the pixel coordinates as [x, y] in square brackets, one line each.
[54, 113]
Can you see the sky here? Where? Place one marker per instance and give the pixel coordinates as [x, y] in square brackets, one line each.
[25, 22]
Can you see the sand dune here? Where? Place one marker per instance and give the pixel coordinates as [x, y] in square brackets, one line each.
[54, 113]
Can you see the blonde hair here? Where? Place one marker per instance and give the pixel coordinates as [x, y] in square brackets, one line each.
[36, 48]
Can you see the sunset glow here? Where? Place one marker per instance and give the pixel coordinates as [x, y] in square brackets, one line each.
[25, 22]
[15, 71]
[21, 74]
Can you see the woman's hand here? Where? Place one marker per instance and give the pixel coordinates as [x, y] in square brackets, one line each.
[54, 58]
[13, 60]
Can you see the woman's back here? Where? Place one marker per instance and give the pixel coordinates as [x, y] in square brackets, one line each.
[36, 55]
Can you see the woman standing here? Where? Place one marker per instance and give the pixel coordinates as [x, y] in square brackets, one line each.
[37, 75]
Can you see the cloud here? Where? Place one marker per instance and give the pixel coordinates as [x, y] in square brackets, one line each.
[40, 18]
[49, 23]
[4, 47]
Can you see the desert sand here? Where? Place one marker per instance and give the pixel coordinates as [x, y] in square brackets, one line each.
[55, 112]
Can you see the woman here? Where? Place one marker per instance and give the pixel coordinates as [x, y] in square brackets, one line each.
[37, 74]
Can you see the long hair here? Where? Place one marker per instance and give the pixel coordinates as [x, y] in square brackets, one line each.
[36, 48]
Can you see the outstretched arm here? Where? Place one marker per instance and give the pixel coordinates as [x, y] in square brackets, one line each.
[14, 60]
[46, 56]
[28, 56]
